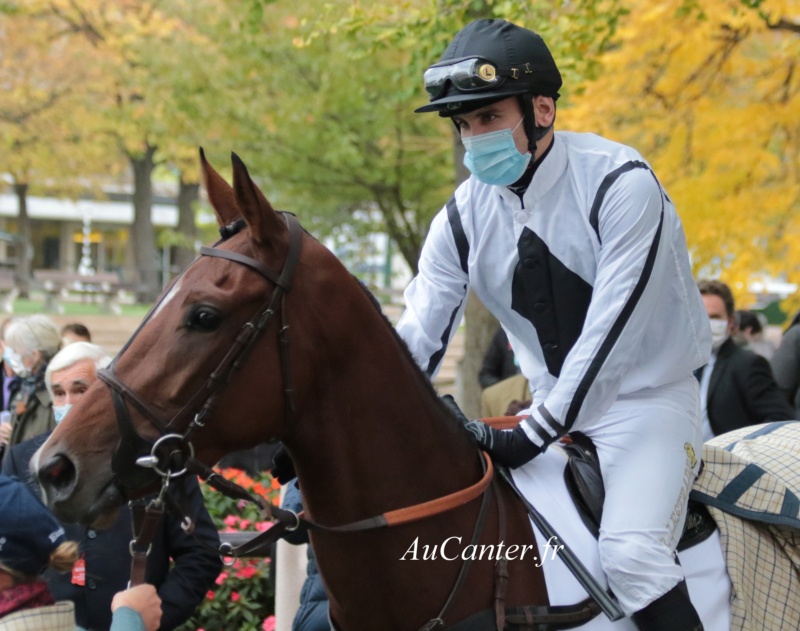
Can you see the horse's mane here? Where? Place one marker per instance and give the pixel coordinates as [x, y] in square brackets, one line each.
[407, 352]
[238, 224]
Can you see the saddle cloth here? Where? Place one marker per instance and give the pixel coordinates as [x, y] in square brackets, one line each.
[753, 474]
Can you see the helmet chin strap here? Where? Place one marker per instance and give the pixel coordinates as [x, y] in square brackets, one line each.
[533, 131]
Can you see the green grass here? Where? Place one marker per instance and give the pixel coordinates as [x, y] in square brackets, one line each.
[75, 308]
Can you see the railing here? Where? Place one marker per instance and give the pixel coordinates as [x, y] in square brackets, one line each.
[103, 287]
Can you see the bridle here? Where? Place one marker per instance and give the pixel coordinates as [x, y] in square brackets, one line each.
[170, 454]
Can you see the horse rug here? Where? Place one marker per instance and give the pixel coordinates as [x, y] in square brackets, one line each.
[751, 484]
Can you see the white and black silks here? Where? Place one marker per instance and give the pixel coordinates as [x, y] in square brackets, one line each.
[588, 272]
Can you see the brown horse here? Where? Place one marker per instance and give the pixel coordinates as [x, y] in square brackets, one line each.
[328, 377]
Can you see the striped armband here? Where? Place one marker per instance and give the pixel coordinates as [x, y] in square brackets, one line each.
[541, 428]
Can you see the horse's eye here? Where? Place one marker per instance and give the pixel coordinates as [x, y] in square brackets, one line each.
[204, 319]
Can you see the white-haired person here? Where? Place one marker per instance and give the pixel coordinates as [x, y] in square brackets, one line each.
[70, 373]
[181, 566]
[31, 541]
[30, 344]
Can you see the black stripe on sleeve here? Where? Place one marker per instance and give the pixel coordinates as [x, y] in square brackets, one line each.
[541, 432]
[433, 362]
[462, 245]
[616, 330]
[551, 421]
[608, 180]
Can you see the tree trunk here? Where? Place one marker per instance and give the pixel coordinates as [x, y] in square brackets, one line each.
[23, 274]
[479, 328]
[188, 194]
[479, 325]
[144, 243]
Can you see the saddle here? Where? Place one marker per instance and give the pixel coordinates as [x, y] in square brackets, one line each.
[585, 485]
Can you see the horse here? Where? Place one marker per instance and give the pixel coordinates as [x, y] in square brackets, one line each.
[267, 337]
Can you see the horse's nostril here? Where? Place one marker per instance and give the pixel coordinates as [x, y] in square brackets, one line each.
[58, 474]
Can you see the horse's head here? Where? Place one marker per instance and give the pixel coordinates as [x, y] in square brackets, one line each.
[214, 352]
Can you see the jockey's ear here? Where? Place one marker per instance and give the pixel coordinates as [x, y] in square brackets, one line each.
[220, 193]
[267, 228]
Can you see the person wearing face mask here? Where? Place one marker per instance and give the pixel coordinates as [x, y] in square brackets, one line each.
[737, 387]
[9, 380]
[10, 384]
[182, 566]
[30, 344]
[575, 247]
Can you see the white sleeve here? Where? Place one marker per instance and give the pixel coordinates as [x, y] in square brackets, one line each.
[632, 263]
[436, 297]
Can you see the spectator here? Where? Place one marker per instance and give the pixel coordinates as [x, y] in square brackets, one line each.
[499, 362]
[31, 343]
[10, 380]
[33, 540]
[74, 332]
[312, 614]
[750, 334]
[101, 569]
[736, 386]
[786, 365]
[506, 398]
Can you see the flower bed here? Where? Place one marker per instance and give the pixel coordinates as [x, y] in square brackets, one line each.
[244, 596]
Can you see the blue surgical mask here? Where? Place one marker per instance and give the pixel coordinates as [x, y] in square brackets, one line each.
[14, 361]
[493, 157]
[60, 411]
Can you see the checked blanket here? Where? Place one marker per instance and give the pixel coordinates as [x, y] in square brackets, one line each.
[750, 483]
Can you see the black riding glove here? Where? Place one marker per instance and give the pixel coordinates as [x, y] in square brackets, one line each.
[282, 466]
[512, 449]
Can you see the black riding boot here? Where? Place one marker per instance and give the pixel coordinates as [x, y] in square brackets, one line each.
[671, 612]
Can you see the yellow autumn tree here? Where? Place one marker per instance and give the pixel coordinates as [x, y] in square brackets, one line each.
[42, 149]
[709, 93]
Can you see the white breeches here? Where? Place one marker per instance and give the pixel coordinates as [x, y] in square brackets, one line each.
[649, 445]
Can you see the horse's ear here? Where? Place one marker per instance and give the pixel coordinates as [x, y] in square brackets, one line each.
[262, 220]
[220, 193]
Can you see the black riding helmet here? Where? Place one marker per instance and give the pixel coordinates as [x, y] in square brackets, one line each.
[488, 61]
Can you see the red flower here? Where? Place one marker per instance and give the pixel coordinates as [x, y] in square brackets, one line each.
[247, 572]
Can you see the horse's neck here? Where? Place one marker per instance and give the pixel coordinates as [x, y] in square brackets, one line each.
[378, 438]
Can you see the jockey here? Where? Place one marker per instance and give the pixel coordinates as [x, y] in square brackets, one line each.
[573, 244]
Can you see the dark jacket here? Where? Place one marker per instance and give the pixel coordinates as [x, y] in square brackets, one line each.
[108, 560]
[785, 365]
[7, 381]
[498, 362]
[312, 615]
[32, 416]
[742, 391]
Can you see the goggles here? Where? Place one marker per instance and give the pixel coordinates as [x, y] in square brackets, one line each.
[468, 75]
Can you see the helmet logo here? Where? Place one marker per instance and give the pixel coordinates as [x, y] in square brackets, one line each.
[487, 72]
